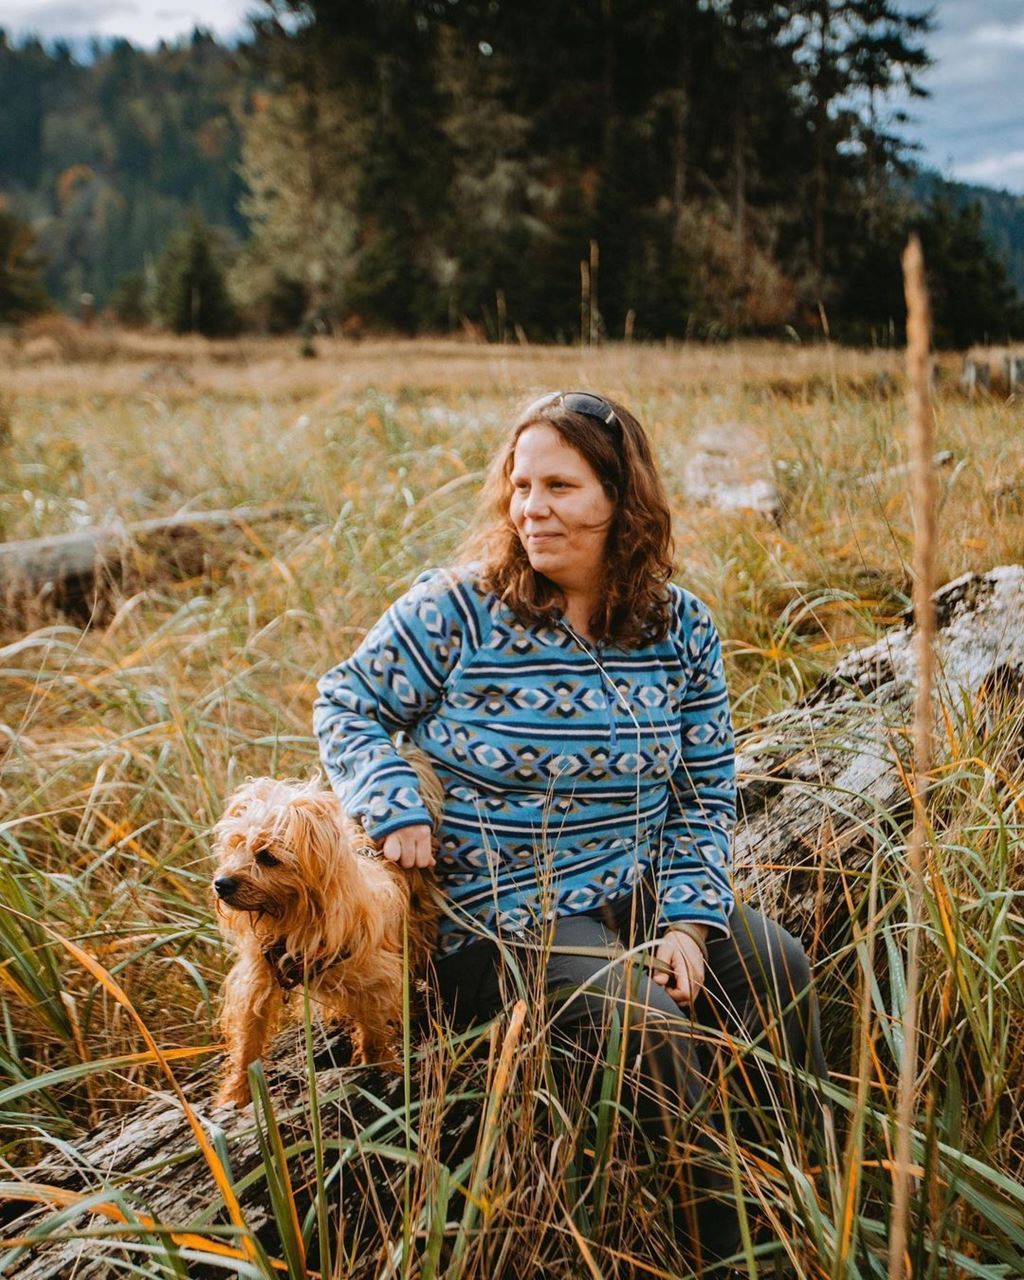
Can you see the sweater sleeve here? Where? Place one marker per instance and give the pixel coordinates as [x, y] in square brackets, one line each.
[696, 839]
[392, 680]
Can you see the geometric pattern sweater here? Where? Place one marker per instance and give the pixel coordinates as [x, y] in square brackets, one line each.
[569, 771]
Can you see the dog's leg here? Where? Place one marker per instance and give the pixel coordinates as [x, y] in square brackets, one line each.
[375, 1035]
[252, 1007]
[377, 1045]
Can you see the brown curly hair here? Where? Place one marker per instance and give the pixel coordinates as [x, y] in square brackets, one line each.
[634, 608]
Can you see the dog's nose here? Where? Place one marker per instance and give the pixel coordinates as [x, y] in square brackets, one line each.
[224, 886]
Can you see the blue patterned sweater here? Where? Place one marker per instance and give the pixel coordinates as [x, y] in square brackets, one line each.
[569, 771]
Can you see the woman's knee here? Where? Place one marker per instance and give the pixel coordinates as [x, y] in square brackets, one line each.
[794, 962]
[581, 988]
[771, 957]
[766, 981]
[593, 992]
[588, 993]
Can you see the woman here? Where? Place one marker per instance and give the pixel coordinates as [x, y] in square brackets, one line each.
[573, 702]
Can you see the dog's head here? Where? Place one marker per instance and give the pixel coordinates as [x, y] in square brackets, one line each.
[279, 848]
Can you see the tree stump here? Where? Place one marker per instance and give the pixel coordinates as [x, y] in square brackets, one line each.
[993, 369]
[729, 469]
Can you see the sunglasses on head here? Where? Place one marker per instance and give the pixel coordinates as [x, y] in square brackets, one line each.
[590, 406]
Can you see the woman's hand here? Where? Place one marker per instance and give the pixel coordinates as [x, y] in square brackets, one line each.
[684, 957]
[410, 846]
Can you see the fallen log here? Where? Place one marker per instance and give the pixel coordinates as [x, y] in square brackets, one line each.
[70, 571]
[821, 786]
[901, 470]
[147, 1168]
[823, 783]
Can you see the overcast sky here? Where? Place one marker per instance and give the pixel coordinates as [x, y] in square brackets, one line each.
[972, 126]
[144, 22]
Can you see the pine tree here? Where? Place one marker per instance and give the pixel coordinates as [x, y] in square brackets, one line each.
[304, 143]
[128, 301]
[25, 75]
[757, 61]
[972, 300]
[488, 235]
[191, 294]
[406, 175]
[855, 54]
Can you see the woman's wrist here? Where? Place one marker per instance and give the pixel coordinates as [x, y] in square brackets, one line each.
[698, 932]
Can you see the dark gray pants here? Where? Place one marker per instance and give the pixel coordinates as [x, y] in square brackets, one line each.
[757, 992]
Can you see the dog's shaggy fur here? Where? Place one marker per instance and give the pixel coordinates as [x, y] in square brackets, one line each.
[302, 901]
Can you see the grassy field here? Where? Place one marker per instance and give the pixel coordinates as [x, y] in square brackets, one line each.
[120, 741]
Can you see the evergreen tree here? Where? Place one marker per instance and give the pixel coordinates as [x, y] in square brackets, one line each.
[191, 294]
[414, 162]
[406, 171]
[25, 75]
[22, 293]
[487, 235]
[971, 298]
[854, 54]
[305, 136]
[757, 58]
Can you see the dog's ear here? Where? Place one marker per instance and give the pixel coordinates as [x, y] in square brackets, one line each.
[236, 804]
[315, 832]
[247, 793]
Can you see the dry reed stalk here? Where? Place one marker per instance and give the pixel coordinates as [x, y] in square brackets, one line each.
[921, 433]
[584, 302]
[592, 307]
[854, 1153]
[498, 1087]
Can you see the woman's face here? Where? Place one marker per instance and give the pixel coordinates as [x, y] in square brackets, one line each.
[560, 509]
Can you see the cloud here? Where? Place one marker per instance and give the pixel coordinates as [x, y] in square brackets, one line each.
[999, 169]
[994, 33]
[64, 17]
[971, 126]
[144, 22]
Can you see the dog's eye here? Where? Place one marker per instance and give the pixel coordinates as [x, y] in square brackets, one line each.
[265, 858]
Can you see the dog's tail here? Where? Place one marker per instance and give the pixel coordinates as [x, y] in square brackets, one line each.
[431, 790]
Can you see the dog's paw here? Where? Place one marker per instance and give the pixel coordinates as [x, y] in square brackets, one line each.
[233, 1093]
[389, 1060]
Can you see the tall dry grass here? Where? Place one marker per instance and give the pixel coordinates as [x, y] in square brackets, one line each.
[121, 740]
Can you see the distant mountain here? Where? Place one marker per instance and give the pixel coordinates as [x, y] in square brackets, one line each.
[1002, 216]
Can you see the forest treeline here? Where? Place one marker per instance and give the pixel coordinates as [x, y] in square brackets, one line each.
[641, 168]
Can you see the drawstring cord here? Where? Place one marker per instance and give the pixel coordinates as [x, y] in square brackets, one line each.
[467, 924]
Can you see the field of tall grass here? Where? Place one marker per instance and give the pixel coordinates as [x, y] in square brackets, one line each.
[119, 741]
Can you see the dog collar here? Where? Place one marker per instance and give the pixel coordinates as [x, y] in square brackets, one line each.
[290, 971]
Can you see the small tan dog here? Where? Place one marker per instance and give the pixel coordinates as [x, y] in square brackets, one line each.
[305, 897]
